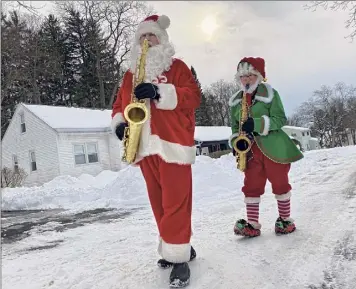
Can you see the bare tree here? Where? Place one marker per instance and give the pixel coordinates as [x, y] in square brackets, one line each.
[12, 178]
[337, 5]
[218, 95]
[330, 112]
[25, 6]
[119, 20]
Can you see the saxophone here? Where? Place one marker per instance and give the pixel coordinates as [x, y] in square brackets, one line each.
[243, 143]
[136, 112]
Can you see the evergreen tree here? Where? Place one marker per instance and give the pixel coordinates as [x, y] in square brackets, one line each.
[59, 82]
[92, 63]
[202, 114]
[14, 46]
[80, 66]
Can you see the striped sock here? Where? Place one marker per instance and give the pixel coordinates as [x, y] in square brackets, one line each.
[284, 208]
[253, 212]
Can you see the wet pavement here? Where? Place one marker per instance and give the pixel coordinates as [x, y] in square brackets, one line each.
[17, 225]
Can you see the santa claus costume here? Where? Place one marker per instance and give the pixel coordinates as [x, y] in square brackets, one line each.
[167, 148]
[272, 150]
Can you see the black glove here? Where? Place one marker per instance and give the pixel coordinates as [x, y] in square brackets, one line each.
[120, 129]
[146, 90]
[249, 125]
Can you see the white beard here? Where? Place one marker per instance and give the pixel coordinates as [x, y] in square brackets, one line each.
[252, 87]
[159, 59]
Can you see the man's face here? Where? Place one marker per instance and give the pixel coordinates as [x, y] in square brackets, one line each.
[248, 79]
[152, 39]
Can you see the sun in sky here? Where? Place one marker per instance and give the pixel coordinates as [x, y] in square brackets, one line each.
[209, 25]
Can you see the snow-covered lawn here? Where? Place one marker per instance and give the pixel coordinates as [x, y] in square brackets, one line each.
[122, 254]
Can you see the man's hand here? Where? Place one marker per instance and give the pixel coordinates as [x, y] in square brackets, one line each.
[146, 90]
[120, 129]
[249, 125]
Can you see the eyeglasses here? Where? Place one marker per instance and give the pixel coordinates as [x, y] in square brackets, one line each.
[147, 35]
[247, 76]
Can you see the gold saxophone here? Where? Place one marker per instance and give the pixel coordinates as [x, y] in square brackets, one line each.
[243, 143]
[136, 112]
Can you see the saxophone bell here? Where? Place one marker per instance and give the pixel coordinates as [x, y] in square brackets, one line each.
[242, 144]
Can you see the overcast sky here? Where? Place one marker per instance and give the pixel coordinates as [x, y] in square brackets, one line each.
[302, 49]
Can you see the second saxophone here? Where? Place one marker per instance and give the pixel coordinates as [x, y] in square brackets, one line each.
[243, 143]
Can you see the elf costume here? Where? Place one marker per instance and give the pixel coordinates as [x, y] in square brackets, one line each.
[272, 150]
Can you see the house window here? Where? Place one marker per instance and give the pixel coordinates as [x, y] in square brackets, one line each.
[15, 163]
[92, 153]
[85, 153]
[79, 154]
[22, 122]
[33, 163]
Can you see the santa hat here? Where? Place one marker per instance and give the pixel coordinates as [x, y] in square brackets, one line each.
[154, 24]
[252, 65]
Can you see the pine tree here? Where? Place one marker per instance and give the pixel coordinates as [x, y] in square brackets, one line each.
[202, 114]
[92, 61]
[14, 47]
[59, 82]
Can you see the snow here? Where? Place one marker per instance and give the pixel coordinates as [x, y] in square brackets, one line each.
[122, 254]
[212, 133]
[71, 118]
[295, 128]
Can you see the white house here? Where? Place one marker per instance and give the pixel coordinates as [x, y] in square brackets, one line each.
[314, 143]
[302, 134]
[48, 141]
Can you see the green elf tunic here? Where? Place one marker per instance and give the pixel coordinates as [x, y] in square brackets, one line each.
[269, 117]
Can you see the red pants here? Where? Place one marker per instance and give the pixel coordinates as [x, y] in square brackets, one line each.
[169, 189]
[261, 168]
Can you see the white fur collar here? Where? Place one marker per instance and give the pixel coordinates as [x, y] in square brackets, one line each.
[236, 97]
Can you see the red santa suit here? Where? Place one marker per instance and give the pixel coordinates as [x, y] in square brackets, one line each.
[167, 148]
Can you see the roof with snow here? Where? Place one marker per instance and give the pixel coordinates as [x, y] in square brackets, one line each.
[296, 128]
[212, 133]
[73, 119]
[67, 119]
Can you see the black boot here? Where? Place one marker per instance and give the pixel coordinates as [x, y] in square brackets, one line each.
[164, 264]
[180, 275]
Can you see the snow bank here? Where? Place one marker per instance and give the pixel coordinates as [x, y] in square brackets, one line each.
[127, 187]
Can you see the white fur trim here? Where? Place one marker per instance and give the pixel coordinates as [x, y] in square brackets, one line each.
[116, 120]
[233, 100]
[256, 225]
[168, 96]
[231, 137]
[288, 219]
[284, 197]
[151, 27]
[176, 253]
[267, 124]
[249, 200]
[246, 68]
[269, 97]
[164, 21]
[168, 151]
